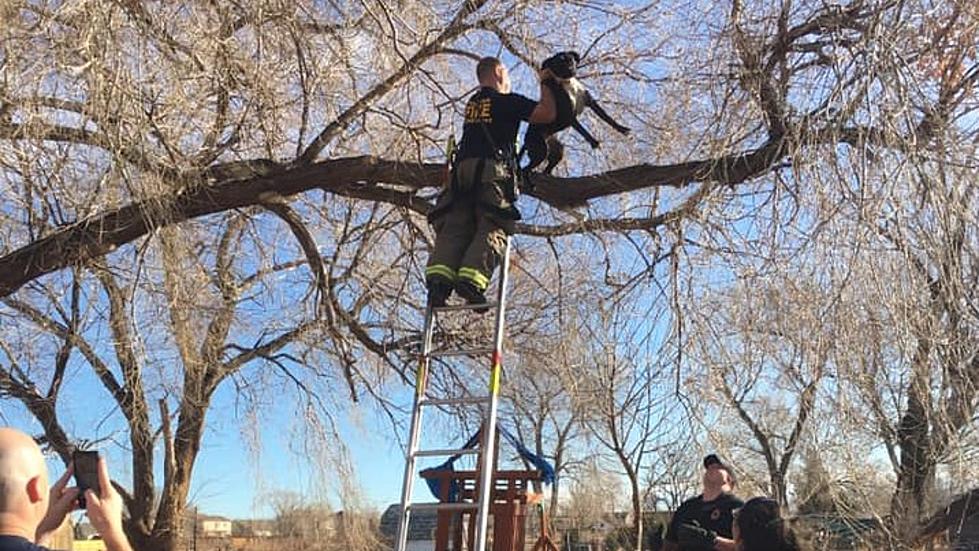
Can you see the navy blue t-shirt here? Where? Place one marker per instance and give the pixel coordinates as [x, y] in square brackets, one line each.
[716, 514]
[499, 115]
[17, 543]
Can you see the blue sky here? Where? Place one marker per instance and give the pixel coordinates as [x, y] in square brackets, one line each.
[231, 480]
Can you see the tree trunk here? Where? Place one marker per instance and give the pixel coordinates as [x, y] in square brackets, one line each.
[780, 490]
[636, 508]
[916, 471]
[554, 495]
[167, 530]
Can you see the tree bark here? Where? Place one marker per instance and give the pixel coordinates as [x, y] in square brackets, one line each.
[916, 471]
[225, 187]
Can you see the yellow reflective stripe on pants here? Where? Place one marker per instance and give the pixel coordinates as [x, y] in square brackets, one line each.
[440, 270]
[475, 277]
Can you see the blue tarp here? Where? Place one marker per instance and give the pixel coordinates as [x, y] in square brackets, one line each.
[434, 485]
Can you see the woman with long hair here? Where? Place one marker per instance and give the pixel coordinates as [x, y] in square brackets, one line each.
[759, 526]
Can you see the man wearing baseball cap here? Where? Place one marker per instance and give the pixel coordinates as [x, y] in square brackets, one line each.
[703, 523]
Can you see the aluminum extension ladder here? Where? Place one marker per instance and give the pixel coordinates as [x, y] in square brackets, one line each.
[488, 403]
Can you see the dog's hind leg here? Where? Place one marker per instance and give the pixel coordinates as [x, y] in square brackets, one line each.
[536, 146]
[585, 134]
[555, 152]
[593, 104]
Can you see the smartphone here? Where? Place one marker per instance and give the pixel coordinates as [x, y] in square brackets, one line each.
[86, 473]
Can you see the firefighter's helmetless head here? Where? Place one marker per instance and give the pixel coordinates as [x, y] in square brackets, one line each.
[493, 73]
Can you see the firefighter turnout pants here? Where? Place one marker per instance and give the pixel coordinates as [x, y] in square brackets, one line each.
[471, 219]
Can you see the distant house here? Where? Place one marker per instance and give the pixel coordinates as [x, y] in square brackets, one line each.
[254, 528]
[213, 527]
[421, 529]
[576, 536]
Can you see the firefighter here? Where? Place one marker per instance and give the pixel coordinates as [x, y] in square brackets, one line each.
[475, 213]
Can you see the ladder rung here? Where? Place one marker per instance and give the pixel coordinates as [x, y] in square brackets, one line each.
[454, 401]
[438, 453]
[443, 506]
[462, 352]
[452, 307]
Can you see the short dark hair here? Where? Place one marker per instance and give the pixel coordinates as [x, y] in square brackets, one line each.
[486, 67]
[762, 528]
[712, 459]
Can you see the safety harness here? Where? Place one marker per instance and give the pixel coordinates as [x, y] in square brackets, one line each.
[510, 187]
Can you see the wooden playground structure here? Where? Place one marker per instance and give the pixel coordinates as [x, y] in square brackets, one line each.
[512, 499]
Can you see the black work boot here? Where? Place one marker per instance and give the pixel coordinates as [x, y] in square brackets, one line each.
[472, 295]
[438, 292]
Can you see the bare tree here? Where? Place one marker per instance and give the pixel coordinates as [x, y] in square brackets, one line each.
[545, 413]
[672, 476]
[916, 370]
[226, 190]
[626, 409]
[593, 493]
[765, 353]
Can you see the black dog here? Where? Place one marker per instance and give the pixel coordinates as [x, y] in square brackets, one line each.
[570, 98]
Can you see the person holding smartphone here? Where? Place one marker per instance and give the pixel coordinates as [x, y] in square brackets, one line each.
[30, 513]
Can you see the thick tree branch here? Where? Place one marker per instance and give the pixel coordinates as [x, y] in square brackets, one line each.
[366, 178]
[134, 405]
[43, 408]
[64, 353]
[807, 401]
[763, 440]
[277, 204]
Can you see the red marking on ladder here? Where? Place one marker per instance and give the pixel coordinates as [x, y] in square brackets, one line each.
[497, 358]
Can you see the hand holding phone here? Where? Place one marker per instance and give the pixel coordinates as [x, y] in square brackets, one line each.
[86, 465]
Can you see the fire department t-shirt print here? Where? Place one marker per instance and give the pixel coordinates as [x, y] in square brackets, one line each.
[500, 114]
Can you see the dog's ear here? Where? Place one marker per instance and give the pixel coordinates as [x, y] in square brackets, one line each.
[551, 62]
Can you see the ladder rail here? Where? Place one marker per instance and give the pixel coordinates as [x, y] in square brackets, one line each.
[487, 450]
[421, 383]
[485, 486]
